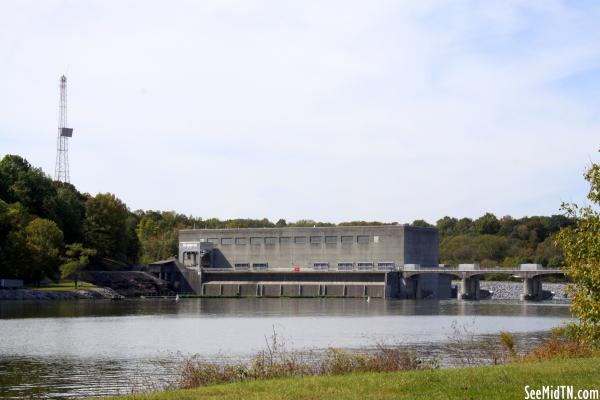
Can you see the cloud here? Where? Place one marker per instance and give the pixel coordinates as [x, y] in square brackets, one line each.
[338, 111]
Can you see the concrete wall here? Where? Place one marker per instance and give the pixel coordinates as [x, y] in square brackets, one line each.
[292, 289]
[421, 246]
[421, 286]
[397, 244]
[182, 279]
[281, 248]
[367, 277]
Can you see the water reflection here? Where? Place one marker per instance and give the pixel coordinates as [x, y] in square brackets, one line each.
[26, 377]
[79, 348]
[273, 307]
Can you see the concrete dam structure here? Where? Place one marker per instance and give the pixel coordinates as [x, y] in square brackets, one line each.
[341, 261]
[390, 261]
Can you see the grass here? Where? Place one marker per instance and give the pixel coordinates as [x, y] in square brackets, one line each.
[485, 382]
[64, 286]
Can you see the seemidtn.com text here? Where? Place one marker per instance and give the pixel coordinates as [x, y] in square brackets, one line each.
[560, 392]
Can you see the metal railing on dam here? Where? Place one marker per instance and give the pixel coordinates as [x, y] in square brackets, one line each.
[406, 271]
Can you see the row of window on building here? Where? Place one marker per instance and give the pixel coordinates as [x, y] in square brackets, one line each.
[324, 266]
[361, 239]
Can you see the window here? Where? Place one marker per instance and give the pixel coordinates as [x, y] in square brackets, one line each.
[285, 240]
[364, 266]
[300, 239]
[256, 241]
[347, 239]
[362, 239]
[316, 239]
[270, 240]
[345, 266]
[386, 266]
[331, 239]
[242, 266]
[227, 241]
[260, 266]
[320, 266]
[213, 240]
[241, 241]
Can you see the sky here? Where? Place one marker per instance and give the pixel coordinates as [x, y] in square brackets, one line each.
[326, 110]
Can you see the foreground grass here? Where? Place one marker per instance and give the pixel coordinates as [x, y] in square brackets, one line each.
[64, 286]
[486, 382]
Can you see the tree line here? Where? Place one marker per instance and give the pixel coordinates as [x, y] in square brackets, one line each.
[46, 225]
[505, 241]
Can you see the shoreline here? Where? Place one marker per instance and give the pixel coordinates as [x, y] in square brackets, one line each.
[505, 290]
[502, 290]
[505, 381]
[97, 293]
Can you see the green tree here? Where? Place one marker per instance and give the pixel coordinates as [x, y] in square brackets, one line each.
[158, 235]
[474, 248]
[281, 223]
[76, 259]
[45, 243]
[106, 226]
[487, 224]
[15, 259]
[507, 224]
[581, 247]
[446, 226]
[6, 226]
[421, 223]
[67, 209]
[303, 223]
[548, 254]
[27, 185]
[464, 226]
[365, 223]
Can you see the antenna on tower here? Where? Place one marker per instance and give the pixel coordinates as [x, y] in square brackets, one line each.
[61, 169]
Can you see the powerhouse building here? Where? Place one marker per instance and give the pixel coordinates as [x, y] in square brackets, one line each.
[340, 261]
[341, 248]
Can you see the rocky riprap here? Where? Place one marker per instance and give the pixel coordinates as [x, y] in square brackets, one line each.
[512, 290]
[127, 283]
[31, 294]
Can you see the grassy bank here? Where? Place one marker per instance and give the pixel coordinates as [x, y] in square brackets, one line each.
[64, 286]
[486, 382]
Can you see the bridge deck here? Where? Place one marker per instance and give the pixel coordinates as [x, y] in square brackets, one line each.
[485, 270]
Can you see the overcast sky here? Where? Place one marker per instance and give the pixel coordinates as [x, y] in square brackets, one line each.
[332, 111]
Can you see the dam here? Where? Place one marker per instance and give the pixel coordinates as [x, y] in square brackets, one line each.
[387, 261]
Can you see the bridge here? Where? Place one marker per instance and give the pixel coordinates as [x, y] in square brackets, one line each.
[531, 274]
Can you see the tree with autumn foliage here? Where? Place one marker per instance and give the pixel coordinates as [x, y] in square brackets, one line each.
[581, 246]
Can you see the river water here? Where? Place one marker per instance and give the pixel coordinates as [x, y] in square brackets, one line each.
[65, 349]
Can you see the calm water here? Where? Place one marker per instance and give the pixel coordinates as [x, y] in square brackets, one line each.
[80, 348]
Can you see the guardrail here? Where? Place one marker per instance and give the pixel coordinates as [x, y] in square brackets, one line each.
[375, 268]
[297, 269]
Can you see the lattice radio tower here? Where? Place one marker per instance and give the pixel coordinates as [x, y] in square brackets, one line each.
[61, 169]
